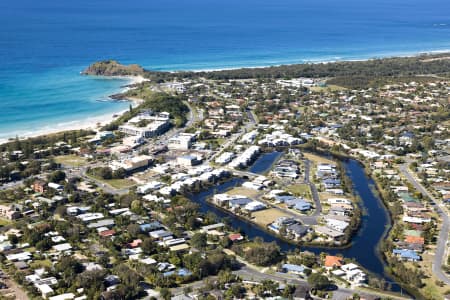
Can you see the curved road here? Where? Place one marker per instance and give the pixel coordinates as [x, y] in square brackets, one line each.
[439, 256]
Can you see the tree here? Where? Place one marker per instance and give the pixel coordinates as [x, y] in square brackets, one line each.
[57, 176]
[199, 240]
[148, 246]
[263, 254]
[103, 260]
[136, 206]
[319, 281]
[119, 173]
[13, 239]
[165, 294]
[133, 230]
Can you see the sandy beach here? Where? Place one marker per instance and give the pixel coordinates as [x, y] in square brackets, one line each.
[93, 123]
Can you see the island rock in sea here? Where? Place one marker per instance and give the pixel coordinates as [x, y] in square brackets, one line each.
[113, 68]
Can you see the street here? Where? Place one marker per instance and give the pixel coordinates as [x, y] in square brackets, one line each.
[441, 246]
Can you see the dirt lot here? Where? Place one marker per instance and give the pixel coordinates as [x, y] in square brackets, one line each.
[71, 160]
[317, 159]
[267, 216]
[245, 192]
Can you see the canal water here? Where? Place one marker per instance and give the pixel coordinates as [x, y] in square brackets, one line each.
[264, 162]
[364, 243]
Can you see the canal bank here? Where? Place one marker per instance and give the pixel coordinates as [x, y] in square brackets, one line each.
[364, 247]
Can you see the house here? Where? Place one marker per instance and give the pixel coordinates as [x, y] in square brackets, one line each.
[238, 202]
[182, 141]
[405, 254]
[101, 223]
[302, 205]
[332, 201]
[112, 280]
[255, 206]
[55, 186]
[302, 293]
[235, 237]
[293, 269]
[188, 161]
[160, 234]
[415, 239]
[5, 246]
[107, 233]
[297, 230]
[150, 226]
[66, 296]
[329, 232]
[134, 243]
[9, 212]
[211, 227]
[45, 290]
[132, 164]
[62, 247]
[337, 224]
[332, 261]
[39, 186]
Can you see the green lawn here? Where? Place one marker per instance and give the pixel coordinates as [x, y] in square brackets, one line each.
[120, 183]
[41, 264]
[328, 88]
[115, 183]
[299, 190]
[71, 160]
[4, 222]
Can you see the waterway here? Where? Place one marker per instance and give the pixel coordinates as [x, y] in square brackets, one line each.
[264, 163]
[363, 249]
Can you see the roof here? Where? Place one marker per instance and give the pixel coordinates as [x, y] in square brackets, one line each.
[293, 268]
[107, 233]
[213, 226]
[415, 239]
[333, 261]
[66, 296]
[408, 254]
[235, 237]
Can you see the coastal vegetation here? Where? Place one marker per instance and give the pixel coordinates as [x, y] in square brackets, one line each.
[350, 74]
[113, 68]
[156, 102]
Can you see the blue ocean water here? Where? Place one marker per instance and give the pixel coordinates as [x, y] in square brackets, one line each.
[45, 44]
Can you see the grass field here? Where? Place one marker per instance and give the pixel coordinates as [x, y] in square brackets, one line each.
[116, 183]
[431, 290]
[328, 88]
[4, 222]
[71, 160]
[267, 216]
[244, 192]
[120, 183]
[301, 189]
[318, 159]
[41, 264]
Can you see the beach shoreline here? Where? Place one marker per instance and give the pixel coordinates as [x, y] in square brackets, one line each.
[314, 61]
[90, 123]
[96, 122]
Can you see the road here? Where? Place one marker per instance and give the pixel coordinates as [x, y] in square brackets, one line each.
[250, 274]
[441, 246]
[312, 186]
[249, 125]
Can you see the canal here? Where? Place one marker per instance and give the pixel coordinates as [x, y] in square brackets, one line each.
[363, 249]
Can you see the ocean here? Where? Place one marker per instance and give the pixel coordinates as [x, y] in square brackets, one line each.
[45, 44]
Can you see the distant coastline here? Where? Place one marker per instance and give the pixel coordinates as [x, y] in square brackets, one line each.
[300, 61]
[100, 120]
